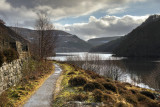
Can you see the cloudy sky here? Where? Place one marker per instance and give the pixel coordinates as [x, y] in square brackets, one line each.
[84, 18]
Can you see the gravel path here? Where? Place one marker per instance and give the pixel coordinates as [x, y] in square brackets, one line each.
[43, 96]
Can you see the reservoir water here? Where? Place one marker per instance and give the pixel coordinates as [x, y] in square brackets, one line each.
[140, 72]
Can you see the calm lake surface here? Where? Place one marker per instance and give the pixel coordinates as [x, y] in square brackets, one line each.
[141, 72]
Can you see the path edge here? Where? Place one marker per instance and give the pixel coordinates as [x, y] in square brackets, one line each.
[58, 87]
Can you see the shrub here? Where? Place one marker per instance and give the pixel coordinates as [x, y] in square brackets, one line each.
[152, 104]
[121, 85]
[4, 100]
[108, 98]
[148, 94]
[10, 55]
[100, 80]
[108, 80]
[109, 92]
[93, 85]
[98, 95]
[71, 73]
[1, 58]
[15, 94]
[93, 75]
[121, 88]
[89, 87]
[98, 85]
[122, 91]
[127, 84]
[33, 70]
[110, 86]
[121, 104]
[142, 98]
[131, 99]
[134, 91]
[146, 102]
[77, 81]
[80, 97]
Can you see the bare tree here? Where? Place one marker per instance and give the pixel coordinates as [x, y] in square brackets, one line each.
[46, 39]
[96, 64]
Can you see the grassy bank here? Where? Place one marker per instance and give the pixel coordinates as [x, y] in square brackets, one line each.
[89, 87]
[34, 74]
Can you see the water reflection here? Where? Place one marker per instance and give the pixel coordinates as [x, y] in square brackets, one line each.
[141, 72]
[147, 71]
[65, 56]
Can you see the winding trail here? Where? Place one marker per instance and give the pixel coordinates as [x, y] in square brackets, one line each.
[43, 96]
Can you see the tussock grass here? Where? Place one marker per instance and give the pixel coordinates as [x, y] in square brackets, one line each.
[87, 86]
[80, 97]
[110, 86]
[148, 94]
[77, 81]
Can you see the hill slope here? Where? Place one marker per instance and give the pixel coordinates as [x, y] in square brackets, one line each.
[8, 36]
[144, 41]
[100, 41]
[107, 47]
[66, 42]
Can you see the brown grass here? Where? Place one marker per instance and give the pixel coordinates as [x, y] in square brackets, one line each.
[148, 94]
[80, 97]
[121, 104]
[110, 86]
[89, 87]
[4, 100]
[100, 89]
[131, 99]
[10, 55]
[98, 95]
[34, 74]
[77, 81]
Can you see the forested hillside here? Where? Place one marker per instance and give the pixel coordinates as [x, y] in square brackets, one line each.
[144, 41]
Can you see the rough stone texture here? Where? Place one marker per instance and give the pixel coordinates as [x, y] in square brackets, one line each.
[10, 74]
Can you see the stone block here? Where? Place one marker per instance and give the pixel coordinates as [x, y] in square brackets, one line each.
[5, 87]
[10, 74]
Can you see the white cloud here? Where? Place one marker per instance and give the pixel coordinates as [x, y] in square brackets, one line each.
[25, 10]
[106, 26]
[12, 15]
[4, 5]
[75, 8]
[116, 10]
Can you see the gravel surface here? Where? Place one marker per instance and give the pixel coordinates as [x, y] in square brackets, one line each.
[43, 96]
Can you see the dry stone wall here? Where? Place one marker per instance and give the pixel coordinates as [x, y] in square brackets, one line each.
[10, 74]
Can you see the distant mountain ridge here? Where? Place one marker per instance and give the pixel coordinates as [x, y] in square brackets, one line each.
[66, 42]
[107, 47]
[143, 41]
[151, 18]
[102, 40]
